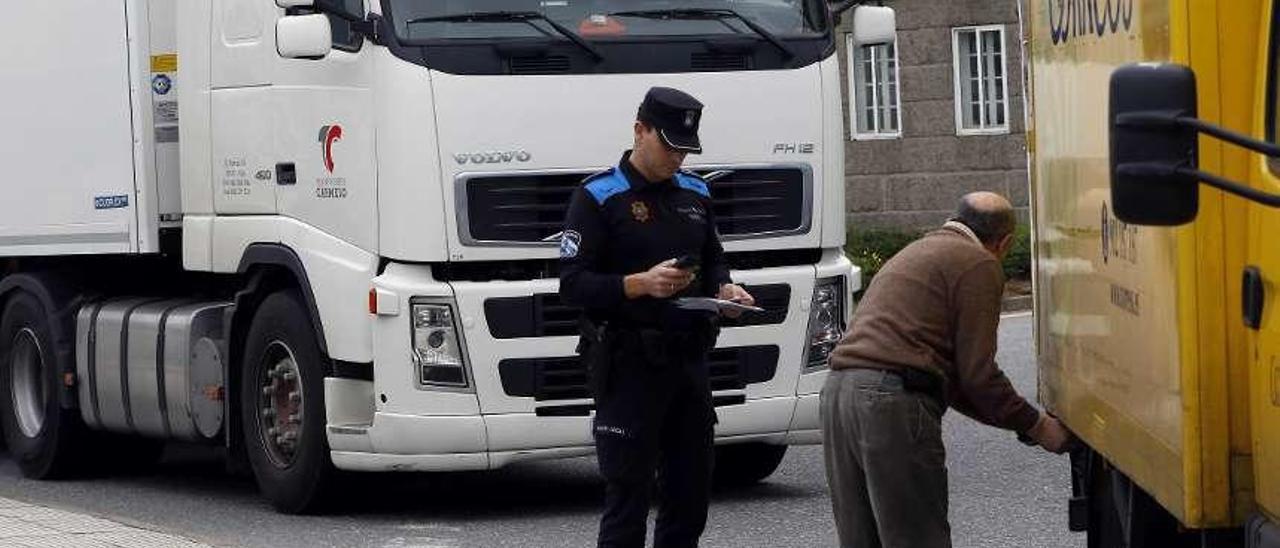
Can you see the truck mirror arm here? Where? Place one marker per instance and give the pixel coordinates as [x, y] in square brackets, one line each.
[369, 26]
[838, 8]
[1167, 171]
[1168, 120]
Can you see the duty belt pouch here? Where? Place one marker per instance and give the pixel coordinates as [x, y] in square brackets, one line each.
[924, 382]
[594, 344]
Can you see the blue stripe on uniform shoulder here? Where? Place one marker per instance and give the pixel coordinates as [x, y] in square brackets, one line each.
[607, 183]
[692, 182]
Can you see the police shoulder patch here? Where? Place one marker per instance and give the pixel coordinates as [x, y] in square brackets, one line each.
[569, 243]
[690, 181]
[605, 184]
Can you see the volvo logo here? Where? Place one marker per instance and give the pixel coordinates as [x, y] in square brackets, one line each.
[493, 157]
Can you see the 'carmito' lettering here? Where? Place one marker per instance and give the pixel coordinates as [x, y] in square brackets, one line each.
[1075, 18]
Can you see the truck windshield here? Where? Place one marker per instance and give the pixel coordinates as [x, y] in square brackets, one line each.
[600, 20]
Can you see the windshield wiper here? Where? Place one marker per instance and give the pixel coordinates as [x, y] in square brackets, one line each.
[713, 14]
[513, 16]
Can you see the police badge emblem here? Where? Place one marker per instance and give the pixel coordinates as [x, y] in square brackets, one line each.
[570, 241]
[640, 211]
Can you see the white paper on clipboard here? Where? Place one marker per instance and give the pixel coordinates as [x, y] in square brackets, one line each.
[713, 305]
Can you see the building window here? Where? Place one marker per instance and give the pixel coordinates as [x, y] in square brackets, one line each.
[873, 77]
[982, 89]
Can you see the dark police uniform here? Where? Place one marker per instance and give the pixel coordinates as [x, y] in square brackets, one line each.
[647, 358]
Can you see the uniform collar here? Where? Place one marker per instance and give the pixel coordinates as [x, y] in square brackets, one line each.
[637, 180]
[963, 229]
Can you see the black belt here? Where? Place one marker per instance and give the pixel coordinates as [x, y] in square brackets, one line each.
[915, 380]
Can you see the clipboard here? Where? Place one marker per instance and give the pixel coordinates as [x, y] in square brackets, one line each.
[713, 305]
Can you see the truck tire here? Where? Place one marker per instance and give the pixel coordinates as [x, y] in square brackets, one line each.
[282, 405]
[42, 436]
[743, 464]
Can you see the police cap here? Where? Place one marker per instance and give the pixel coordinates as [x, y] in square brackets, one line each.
[675, 115]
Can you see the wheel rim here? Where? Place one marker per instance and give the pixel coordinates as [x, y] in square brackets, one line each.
[27, 384]
[280, 404]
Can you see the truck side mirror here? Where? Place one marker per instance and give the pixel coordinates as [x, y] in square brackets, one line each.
[1153, 154]
[304, 36]
[874, 25]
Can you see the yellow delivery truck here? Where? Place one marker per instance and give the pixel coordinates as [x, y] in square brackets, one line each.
[1155, 182]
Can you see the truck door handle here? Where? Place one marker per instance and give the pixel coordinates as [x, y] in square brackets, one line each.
[1252, 294]
[286, 173]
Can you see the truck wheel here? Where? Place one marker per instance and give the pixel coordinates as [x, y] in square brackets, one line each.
[282, 405]
[41, 435]
[740, 465]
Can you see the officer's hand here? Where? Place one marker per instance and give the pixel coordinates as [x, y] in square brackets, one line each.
[665, 280]
[735, 293]
[1051, 435]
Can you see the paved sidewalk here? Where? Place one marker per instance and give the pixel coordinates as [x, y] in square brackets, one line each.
[30, 526]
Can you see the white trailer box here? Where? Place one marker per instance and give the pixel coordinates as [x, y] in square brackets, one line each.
[90, 130]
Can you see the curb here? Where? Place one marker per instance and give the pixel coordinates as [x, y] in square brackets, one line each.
[1021, 303]
[24, 525]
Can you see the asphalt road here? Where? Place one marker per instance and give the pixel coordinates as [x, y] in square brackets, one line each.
[1003, 494]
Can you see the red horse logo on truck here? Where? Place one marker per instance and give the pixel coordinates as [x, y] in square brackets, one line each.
[329, 134]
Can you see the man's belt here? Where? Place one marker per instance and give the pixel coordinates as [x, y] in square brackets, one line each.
[916, 380]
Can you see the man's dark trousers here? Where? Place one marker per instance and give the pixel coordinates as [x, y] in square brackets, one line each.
[654, 414]
[886, 464]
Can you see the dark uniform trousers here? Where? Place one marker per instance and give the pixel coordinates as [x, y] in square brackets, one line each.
[653, 413]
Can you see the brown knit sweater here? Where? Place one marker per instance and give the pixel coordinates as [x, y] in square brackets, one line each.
[936, 306]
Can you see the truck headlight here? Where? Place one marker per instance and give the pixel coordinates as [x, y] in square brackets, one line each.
[826, 320]
[437, 348]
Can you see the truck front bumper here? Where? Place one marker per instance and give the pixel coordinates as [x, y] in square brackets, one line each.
[395, 422]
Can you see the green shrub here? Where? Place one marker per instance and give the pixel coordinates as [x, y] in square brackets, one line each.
[869, 249]
[1017, 264]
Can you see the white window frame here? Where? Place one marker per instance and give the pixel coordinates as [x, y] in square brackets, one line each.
[851, 51]
[958, 83]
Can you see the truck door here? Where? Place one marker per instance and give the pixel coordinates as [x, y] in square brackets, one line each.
[1261, 289]
[242, 46]
[324, 136]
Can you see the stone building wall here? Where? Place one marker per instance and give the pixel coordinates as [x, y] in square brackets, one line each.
[916, 179]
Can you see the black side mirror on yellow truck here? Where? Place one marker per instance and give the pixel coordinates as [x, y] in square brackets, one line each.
[1154, 130]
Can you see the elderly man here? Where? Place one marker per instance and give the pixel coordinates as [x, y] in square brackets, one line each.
[923, 338]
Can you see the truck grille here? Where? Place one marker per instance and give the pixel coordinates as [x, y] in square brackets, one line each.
[550, 379]
[526, 208]
[543, 315]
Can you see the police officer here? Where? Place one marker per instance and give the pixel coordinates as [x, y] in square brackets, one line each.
[637, 237]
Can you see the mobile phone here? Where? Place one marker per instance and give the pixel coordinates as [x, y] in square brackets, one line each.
[687, 262]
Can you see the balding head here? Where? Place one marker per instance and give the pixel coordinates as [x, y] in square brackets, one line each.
[989, 215]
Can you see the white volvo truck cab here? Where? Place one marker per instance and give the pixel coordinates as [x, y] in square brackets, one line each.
[326, 234]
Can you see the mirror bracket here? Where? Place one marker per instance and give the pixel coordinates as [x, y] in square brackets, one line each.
[1172, 120]
[846, 5]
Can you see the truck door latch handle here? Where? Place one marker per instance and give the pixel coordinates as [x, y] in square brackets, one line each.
[1252, 295]
[286, 173]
